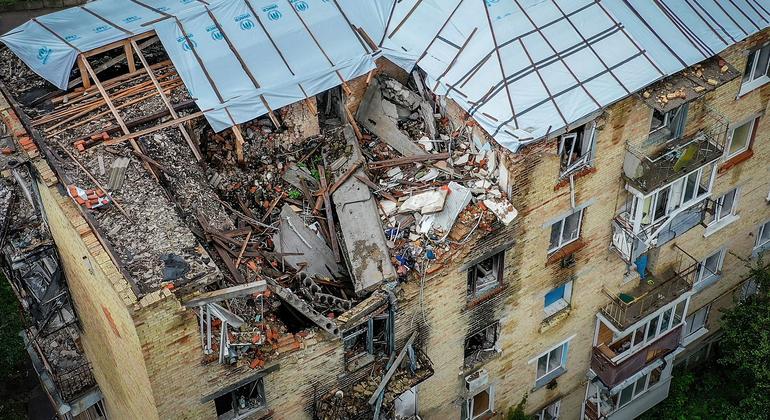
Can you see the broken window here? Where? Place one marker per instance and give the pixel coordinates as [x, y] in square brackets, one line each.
[558, 298]
[763, 236]
[486, 275]
[481, 344]
[550, 412]
[241, 402]
[565, 231]
[575, 148]
[372, 338]
[669, 125]
[757, 70]
[405, 405]
[480, 404]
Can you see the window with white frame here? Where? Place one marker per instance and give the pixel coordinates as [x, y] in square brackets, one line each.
[486, 275]
[681, 194]
[631, 391]
[565, 231]
[669, 125]
[241, 402]
[711, 267]
[757, 70]
[645, 333]
[576, 148]
[551, 364]
[480, 404]
[697, 320]
[550, 412]
[727, 205]
[763, 236]
[739, 138]
[749, 288]
[558, 298]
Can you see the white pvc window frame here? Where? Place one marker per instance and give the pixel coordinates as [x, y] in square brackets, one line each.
[637, 388]
[755, 73]
[731, 137]
[586, 135]
[470, 404]
[552, 368]
[666, 319]
[763, 236]
[550, 412]
[722, 212]
[560, 224]
[704, 272]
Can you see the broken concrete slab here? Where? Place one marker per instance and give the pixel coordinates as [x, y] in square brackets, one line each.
[294, 175]
[426, 202]
[503, 209]
[304, 308]
[459, 197]
[372, 114]
[362, 233]
[295, 237]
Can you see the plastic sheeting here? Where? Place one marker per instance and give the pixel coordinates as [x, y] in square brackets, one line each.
[526, 68]
[237, 58]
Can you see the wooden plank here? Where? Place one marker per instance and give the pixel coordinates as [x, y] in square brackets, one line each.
[239, 141]
[163, 96]
[83, 73]
[227, 293]
[329, 213]
[129, 56]
[151, 130]
[406, 160]
[392, 370]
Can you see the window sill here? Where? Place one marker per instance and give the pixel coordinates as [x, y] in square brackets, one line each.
[554, 319]
[697, 287]
[717, 226]
[577, 173]
[760, 249]
[565, 251]
[686, 341]
[735, 160]
[545, 380]
[747, 88]
[477, 300]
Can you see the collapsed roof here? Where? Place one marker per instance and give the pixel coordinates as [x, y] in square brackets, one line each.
[522, 68]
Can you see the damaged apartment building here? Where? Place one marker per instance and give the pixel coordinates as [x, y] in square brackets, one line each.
[337, 209]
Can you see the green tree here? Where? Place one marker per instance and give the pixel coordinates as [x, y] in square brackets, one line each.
[13, 373]
[517, 412]
[735, 385]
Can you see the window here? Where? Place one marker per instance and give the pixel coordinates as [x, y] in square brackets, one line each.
[369, 339]
[749, 288]
[485, 276]
[711, 267]
[576, 147]
[480, 405]
[763, 236]
[697, 320]
[551, 364]
[638, 387]
[551, 412]
[646, 333]
[241, 402]
[565, 231]
[482, 344]
[558, 298]
[669, 125]
[739, 138]
[726, 207]
[756, 72]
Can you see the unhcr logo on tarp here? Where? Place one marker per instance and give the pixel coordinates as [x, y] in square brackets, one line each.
[100, 29]
[185, 44]
[43, 53]
[244, 22]
[216, 35]
[71, 38]
[272, 12]
[131, 19]
[300, 5]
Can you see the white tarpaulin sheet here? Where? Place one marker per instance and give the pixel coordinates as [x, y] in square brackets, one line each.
[237, 58]
[524, 68]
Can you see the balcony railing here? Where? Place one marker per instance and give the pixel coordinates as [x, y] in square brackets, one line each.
[612, 373]
[649, 299]
[647, 173]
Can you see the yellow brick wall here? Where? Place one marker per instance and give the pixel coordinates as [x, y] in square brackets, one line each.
[109, 338]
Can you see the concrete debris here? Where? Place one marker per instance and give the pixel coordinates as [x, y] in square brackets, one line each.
[305, 246]
[118, 173]
[458, 198]
[503, 209]
[426, 202]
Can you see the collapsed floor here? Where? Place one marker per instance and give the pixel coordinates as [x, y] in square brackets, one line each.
[288, 233]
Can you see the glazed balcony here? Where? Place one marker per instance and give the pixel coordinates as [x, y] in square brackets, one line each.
[626, 309]
[612, 372]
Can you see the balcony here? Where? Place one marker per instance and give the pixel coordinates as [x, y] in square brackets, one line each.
[626, 309]
[647, 173]
[612, 372]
